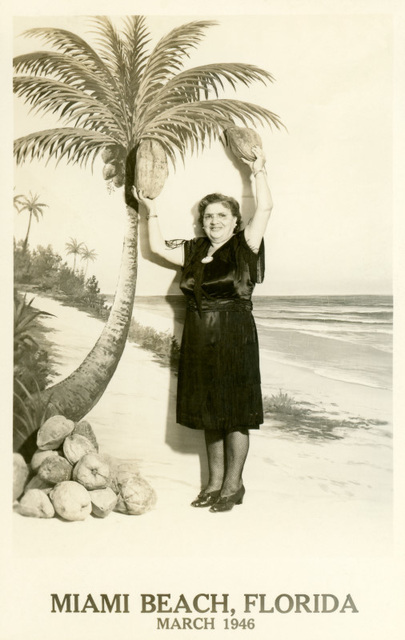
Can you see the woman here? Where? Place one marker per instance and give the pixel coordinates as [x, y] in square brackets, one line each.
[219, 378]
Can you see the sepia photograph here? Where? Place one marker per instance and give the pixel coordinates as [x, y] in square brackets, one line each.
[202, 217]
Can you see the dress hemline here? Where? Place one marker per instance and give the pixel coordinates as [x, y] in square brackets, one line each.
[238, 427]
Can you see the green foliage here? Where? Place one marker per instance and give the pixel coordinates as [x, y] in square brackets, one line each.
[92, 287]
[45, 270]
[283, 404]
[70, 283]
[165, 347]
[306, 420]
[31, 361]
[22, 263]
[30, 411]
[45, 265]
[33, 368]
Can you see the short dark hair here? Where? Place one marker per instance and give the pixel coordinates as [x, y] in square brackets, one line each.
[228, 202]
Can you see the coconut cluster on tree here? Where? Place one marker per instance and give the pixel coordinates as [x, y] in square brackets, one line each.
[113, 157]
[68, 477]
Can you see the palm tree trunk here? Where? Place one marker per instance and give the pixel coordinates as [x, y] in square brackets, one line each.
[75, 396]
[25, 245]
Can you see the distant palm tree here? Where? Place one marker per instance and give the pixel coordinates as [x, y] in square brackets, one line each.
[110, 99]
[73, 247]
[35, 209]
[87, 255]
[17, 202]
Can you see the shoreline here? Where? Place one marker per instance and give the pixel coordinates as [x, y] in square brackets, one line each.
[322, 496]
[347, 398]
[278, 373]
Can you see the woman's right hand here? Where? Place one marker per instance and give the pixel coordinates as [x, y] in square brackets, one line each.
[147, 202]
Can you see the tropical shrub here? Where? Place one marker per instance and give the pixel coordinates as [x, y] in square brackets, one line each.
[33, 367]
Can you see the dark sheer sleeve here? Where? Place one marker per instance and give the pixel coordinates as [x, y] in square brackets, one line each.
[173, 244]
[254, 260]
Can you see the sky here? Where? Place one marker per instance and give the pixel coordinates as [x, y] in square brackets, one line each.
[330, 171]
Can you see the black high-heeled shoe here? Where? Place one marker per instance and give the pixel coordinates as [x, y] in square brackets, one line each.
[206, 498]
[226, 503]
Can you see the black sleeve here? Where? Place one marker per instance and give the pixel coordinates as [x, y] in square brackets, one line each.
[254, 260]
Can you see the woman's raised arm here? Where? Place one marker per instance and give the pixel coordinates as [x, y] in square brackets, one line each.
[257, 225]
[157, 243]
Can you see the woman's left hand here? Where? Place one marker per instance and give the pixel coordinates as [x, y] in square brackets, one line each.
[260, 160]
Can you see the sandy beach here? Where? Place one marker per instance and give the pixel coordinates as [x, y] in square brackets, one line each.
[304, 497]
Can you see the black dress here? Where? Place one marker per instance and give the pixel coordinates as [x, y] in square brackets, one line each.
[219, 375]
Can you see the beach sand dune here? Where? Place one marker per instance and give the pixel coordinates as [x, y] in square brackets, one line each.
[304, 496]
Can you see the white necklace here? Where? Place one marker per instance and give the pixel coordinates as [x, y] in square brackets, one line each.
[207, 259]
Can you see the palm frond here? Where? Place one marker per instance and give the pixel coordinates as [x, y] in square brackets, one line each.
[72, 104]
[137, 37]
[181, 135]
[195, 125]
[193, 84]
[33, 206]
[119, 94]
[113, 53]
[75, 145]
[222, 113]
[74, 246]
[166, 59]
[111, 48]
[70, 71]
[74, 46]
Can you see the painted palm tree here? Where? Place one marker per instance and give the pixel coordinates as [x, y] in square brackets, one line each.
[87, 255]
[110, 98]
[17, 202]
[74, 248]
[35, 210]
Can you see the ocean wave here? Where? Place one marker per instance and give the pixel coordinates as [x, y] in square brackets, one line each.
[381, 347]
[325, 319]
[351, 377]
[373, 337]
[363, 378]
[386, 348]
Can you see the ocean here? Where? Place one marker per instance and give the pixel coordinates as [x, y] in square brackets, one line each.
[347, 338]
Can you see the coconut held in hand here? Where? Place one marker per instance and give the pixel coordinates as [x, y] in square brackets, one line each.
[151, 168]
[136, 496]
[241, 140]
[71, 500]
[92, 471]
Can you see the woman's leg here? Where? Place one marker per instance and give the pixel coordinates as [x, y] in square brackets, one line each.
[214, 442]
[236, 450]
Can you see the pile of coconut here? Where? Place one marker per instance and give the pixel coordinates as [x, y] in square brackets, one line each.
[69, 478]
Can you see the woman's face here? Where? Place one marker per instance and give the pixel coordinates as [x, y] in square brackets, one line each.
[218, 222]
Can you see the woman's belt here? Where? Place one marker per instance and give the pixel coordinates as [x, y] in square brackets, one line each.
[219, 305]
